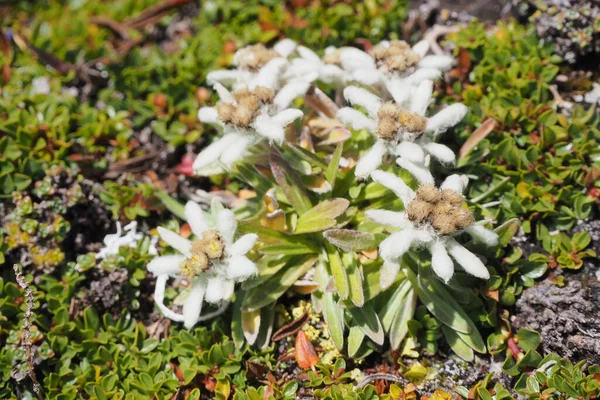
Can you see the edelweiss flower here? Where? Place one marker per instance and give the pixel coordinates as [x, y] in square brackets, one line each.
[310, 67]
[431, 218]
[247, 117]
[407, 134]
[114, 241]
[255, 65]
[213, 262]
[394, 63]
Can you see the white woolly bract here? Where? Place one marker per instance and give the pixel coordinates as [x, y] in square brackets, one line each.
[389, 218]
[363, 98]
[208, 115]
[420, 172]
[446, 118]
[441, 263]
[442, 63]
[175, 241]
[483, 235]
[192, 307]
[356, 119]
[371, 160]
[469, 261]
[440, 152]
[421, 97]
[289, 92]
[410, 151]
[454, 182]
[395, 184]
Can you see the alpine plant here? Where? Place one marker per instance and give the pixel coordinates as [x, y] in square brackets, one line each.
[210, 264]
[309, 236]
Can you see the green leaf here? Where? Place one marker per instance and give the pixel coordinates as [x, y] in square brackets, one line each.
[369, 322]
[438, 306]
[332, 312]
[392, 305]
[355, 279]
[287, 249]
[237, 331]
[171, 204]
[275, 286]
[528, 339]
[399, 327]
[338, 271]
[507, 231]
[462, 349]
[356, 336]
[290, 183]
[332, 168]
[350, 240]
[321, 216]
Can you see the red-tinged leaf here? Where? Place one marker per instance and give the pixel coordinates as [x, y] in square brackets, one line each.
[477, 136]
[306, 356]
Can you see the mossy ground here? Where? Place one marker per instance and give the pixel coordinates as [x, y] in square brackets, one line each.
[96, 124]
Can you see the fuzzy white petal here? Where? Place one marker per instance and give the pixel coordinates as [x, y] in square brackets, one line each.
[441, 262]
[441, 152]
[446, 118]
[212, 152]
[483, 235]
[421, 74]
[165, 265]
[268, 76]
[159, 298]
[286, 117]
[332, 74]
[421, 173]
[285, 47]
[410, 151]
[289, 92]
[268, 128]
[194, 215]
[308, 54]
[236, 150]
[192, 307]
[356, 120]
[389, 272]
[395, 245]
[226, 224]
[454, 182]
[175, 241]
[301, 69]
[240, 268]
[224, 76]
[224, 94]
[389, 218]
[469, 261]
[400, 89]
[421, 48]
[352, 58]
[395, 184]
[422, 97]
[443, 63]
[218, 289]
[363, 98]
[371, 160]
[209, 115]
[367, 76]
[243, 245]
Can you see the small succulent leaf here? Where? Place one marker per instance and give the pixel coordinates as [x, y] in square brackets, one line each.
[507, 231]
[321, 216]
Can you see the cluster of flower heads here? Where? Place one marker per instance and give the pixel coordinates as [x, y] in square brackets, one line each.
[254, 106]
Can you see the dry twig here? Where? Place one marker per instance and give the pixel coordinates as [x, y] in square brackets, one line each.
[26, 340]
